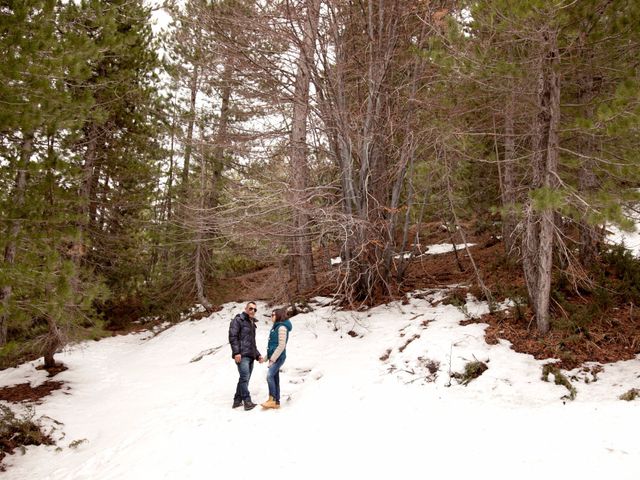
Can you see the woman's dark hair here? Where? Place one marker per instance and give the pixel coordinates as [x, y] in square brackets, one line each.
[281, 314]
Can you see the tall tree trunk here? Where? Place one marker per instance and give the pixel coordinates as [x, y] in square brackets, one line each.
[94, 193]
[193, 86]
[168, 202]
[508, 181]
[15, 225]
[166, 212]
[404, 263]
[200, 252]
[221, 138]
[332, 97]
[103, 213]
[54, 339]
[303, 255]
[407, 154]
[369, 275]
[539, 235]
[406, 162]
[590, 236]
[86, 188]
[200, 275]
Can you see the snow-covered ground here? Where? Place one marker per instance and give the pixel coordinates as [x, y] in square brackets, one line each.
[137, 407]
[631, 240]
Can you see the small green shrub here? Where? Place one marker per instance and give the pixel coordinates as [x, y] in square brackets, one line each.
[630, 395]
[96, 333]
[577, 319]
[457, 298]
[472, 370]
[520, 306]
[559, 379]
[9, 354]
[17, 432]
[76, 443]
[626, 268]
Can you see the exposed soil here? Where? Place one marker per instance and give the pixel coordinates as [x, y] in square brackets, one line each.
[605, 340]
[24, 392]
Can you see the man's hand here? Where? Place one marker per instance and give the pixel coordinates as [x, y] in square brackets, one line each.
[260, 359]
[237, 358]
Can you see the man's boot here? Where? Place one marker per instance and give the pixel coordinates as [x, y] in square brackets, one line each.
[248, 405]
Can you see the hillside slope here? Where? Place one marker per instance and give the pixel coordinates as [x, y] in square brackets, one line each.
[365, 394]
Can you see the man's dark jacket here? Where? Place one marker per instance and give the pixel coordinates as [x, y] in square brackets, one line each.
[242, 336]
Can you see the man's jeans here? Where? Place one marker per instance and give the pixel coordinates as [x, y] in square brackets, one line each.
[273, 378]
[245, 368]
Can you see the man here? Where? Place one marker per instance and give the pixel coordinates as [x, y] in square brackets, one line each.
[242, 338]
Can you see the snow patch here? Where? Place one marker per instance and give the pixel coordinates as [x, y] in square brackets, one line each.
[144, 406]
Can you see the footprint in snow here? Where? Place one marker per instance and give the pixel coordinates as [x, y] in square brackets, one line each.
[300, 375]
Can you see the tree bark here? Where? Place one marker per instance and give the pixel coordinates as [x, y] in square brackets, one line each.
[406, 227]
[88, 174]
[193, 86]
[168, 209]
[53, 342]
[508, 182]
[407, 155]
[200, 251]
[303, 255]
[539, 235]
[590, 237]
[221, 138]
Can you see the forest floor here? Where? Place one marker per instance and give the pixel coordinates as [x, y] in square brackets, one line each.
[582, 328]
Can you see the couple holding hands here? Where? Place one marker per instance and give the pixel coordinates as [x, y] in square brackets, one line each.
[242, 338]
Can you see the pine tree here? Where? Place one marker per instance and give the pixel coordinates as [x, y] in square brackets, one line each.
[38, 272]
[71, 217]
[552, 67]
[119, 142]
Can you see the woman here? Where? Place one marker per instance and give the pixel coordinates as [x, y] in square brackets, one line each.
[276, 354]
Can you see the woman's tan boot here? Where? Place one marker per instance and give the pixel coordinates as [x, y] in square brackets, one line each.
[271, 403]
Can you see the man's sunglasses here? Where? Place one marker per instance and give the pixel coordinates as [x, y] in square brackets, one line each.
[251, 309]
